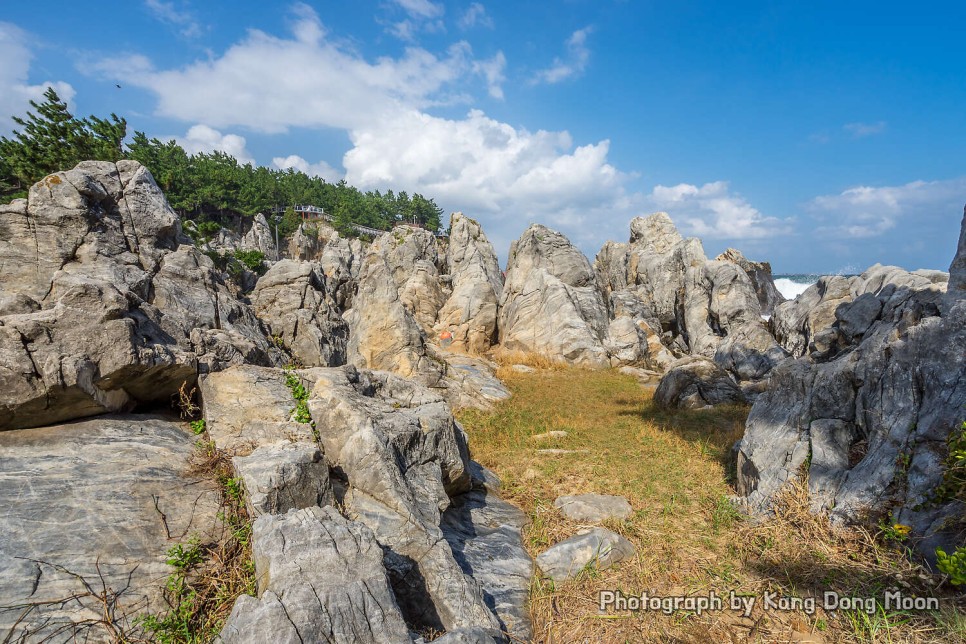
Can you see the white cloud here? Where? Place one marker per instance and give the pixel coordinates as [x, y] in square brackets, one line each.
[711, 211]
[202, 138]
[269, 84]
[861, 130]
[866, 211]
[421, 8]
[475, 16]
[15, 91]
[320, 169]
[181, 19]
[492, 70]
[421, 15]
[573, 65]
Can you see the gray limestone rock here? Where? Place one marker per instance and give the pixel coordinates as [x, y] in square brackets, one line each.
[593, 508]
[551, 303]
[108, 306]
[293, 300]
[695, 382]
[760, 275]
[97, 501]
[284, 476]
[598, 548]
[320, 579]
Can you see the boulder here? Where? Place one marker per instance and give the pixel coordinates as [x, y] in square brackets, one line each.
[868, 419]
[292, 299]
[593, 508]
[695, 382]
[89, 507]
[551, 303]
[106, 305]
[404, 457]
[470, 313]
[761, 278]
[412, 258]
[283, 477]
[597, 548]
[320, 579]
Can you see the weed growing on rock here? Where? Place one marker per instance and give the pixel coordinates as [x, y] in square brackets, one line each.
[301, 412]
[198, 426]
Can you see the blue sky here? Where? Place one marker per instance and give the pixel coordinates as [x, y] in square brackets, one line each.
[823, 137]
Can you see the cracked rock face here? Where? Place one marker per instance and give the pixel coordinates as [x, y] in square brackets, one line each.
[695, 382]
[551, 303]
[871, 409]
[95, 501]
[320, 579]
[470, 313]
[102, 305]
[293, 299]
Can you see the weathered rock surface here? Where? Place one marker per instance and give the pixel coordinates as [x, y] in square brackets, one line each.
[695, 382]
[383, 332]
[104, 305]
[761, 278]
[598, 548]
[293, 299]
[404, 456]
[99, 501]
[247, 406]
[873, 409]
[551, 303]
[470, 313]
[413, 260]
[593, 508]
[284, 476]
[471, 382]
[320, 579]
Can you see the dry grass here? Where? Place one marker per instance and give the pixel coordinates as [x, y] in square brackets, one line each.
[674, 470]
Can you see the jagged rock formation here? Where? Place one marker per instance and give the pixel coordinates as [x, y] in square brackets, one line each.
[104, 304]
[551, 303]
[760, 275]
[470, 313]
[293, 299]
[96, 502]
[284, 476]
[867, 413]
[695, 382]
[259, 237]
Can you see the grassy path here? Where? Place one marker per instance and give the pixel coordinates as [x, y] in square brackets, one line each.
[673, 468]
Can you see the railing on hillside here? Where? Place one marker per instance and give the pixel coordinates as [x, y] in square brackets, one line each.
[309, 213]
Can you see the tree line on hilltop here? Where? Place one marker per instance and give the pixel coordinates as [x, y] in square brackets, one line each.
[210, 188]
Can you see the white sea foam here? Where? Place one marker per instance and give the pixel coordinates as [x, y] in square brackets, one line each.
[790, 288]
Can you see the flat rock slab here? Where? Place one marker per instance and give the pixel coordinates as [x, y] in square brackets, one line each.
[85, 500]
[598, 548]
[593, 508]
[547, 436]
[522, 368]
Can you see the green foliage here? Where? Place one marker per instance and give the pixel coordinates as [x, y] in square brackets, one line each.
[953, 565]
[254, 260]
[198, 426]
[954, 475]
[186, 555]
[301, 412]
[50, 139]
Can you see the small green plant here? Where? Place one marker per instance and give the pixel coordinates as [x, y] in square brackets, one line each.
[723, 514]
[954, 476]
[185, 555]
[198, 426]
[254, 260]
[301, 412]
[953, 565]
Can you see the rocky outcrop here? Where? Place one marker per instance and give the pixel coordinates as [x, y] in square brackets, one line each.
[293, 300]
[383, 332]
[103, 304]
[695, 382]
[284, 476]
[866, 416]
[470, 313]
[551, 303]
[91, 507]
[260, 237]
[761, 278]
[321, 579]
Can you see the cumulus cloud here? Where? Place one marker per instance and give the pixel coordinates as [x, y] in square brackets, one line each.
[15, 91]
[268, 84]
[574, 64]
[711, 211]
[181, 19]
[475, 16]
[202, 138]
[421, 15]
[492, 70]
[866, 211]
[320, 169]
[861, 130]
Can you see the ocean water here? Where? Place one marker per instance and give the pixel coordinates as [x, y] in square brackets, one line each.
[791, 286]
